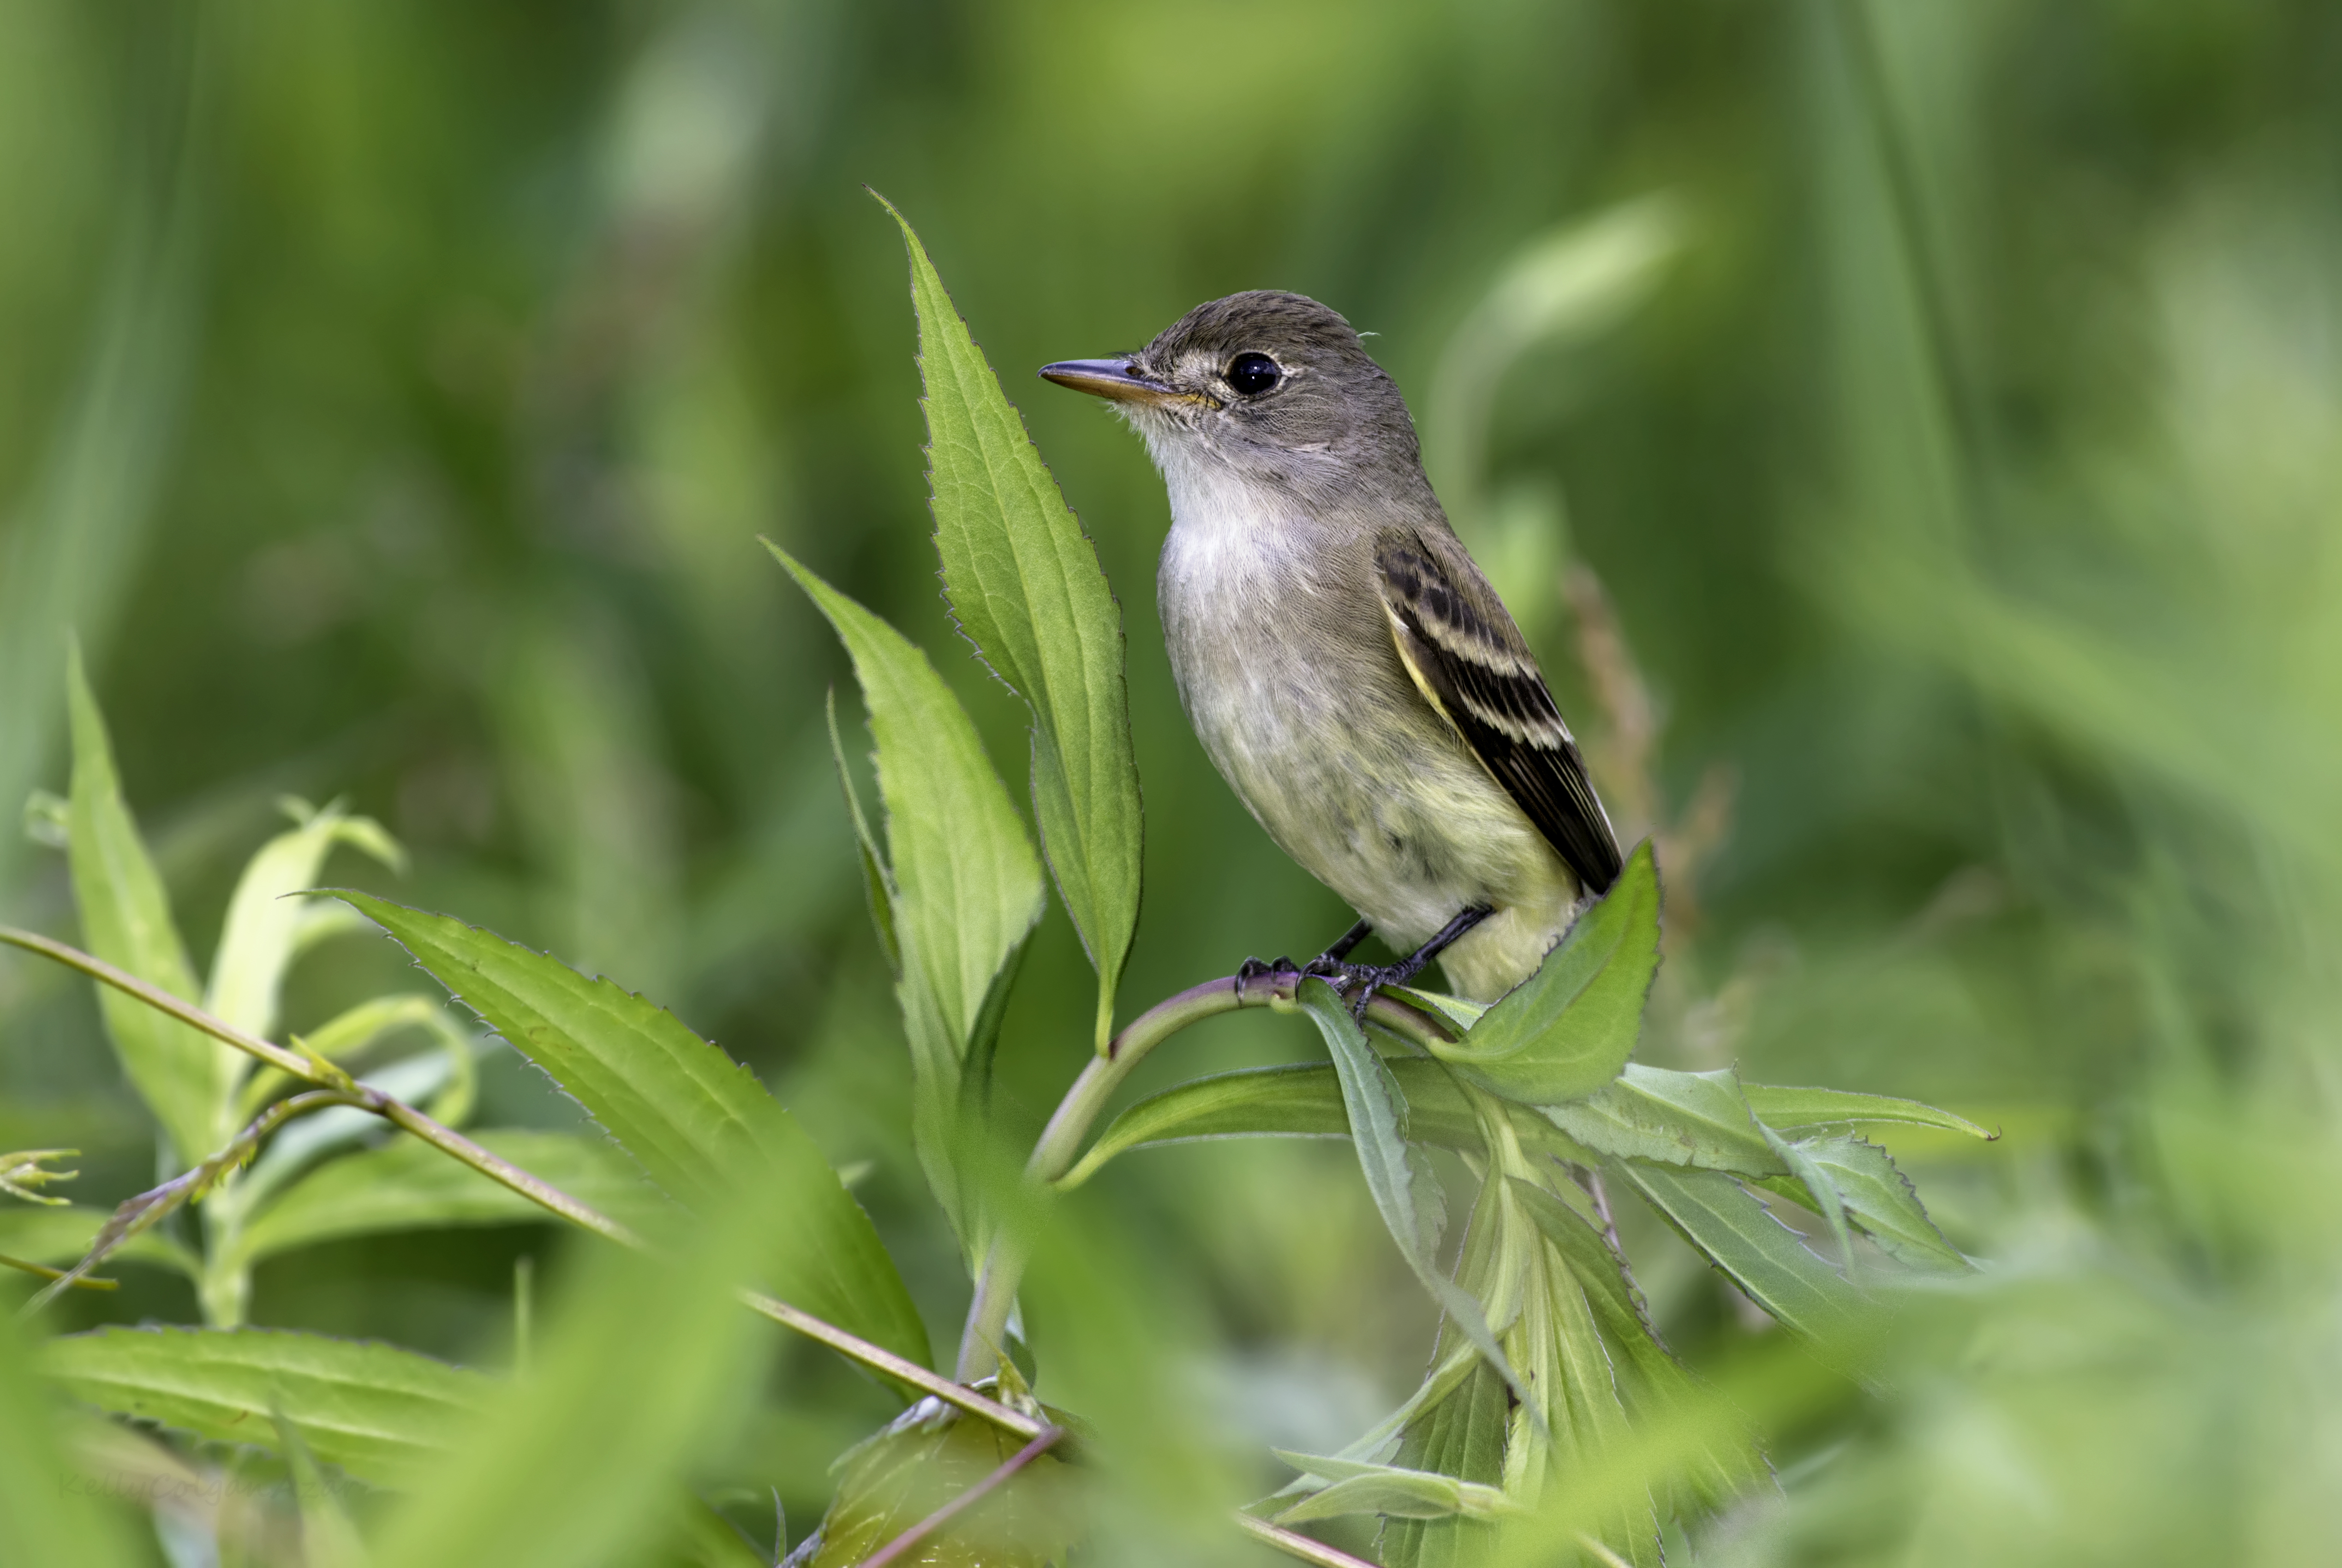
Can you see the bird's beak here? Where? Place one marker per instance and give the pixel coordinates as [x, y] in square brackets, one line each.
[1116, 379]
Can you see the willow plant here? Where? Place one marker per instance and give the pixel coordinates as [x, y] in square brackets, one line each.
[1554, 1420]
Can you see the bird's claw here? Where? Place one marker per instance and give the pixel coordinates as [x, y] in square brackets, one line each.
[1254, 970]
[1357, 984]
[1363, 981]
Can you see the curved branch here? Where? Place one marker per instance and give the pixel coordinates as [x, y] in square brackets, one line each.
[544, 1194]
[1061, 1140]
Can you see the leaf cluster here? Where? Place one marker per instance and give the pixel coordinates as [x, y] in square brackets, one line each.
[1549, 1367]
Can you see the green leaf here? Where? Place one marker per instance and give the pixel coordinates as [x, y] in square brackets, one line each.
[1356, 1487]
[1027, 587]
[963, 885]
[407, 1185]
[375, 1410]
[877, 878]
[1695, 1119]
[921, 1461]
[1811, 1185]
[1880, 1200]
[1454, 1009]
[1583, 1407]
[1569, 1028]
[361, 1027]
[967, 886]
[704, 1539]
[1303, 1100]
[1399, 1175]
[1462, 1435]
[693, 1117]
[328, 1539]
[1720, 1461]
[647, 1370]
[1443, 1380]
[1773, 1267]
[184, 1076]
[44, 1517]
[1788, 1109]
[264, 920]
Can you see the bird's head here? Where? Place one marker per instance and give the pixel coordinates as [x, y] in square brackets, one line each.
[1272, 384]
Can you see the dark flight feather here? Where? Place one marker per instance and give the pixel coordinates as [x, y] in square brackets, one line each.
[1464, 651]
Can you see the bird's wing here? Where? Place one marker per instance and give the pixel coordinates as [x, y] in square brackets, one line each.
[1470, 661]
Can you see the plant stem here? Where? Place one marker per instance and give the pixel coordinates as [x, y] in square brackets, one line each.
[1051, 1157]
[443, 1138]
[162, 1001]
[140, 1212]
[448, 1141]
[893, 1366]
[454, 1144]
[1061, 1140]
[1293, 1543]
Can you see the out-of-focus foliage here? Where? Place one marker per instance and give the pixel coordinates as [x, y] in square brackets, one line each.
[395, 393]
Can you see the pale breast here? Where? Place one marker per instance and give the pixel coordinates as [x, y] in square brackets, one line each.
[1288, 675]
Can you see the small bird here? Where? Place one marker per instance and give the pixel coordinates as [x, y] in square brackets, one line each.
[1345, 663]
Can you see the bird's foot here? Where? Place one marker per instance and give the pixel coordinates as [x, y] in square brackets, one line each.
[1355, 984]
[1358, 983]
[1328, 965]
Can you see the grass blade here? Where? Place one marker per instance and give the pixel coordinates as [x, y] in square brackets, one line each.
[328, 1539]
[644, 1372]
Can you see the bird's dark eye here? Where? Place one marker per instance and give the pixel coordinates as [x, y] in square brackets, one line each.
[1253, 374]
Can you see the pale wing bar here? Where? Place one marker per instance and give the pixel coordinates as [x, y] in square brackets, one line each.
[1494, 695]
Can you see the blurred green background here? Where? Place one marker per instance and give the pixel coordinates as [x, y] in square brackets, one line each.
[1929, 507]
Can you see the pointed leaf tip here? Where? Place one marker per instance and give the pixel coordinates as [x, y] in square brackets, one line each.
[184, 1076]
[684, 1110]
[959, 888]
[1571, 1027]
[1026, 585]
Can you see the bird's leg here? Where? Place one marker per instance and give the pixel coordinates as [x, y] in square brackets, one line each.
[1369, 978]
[1327, 965]
[1415, 963]
[1333, 961]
